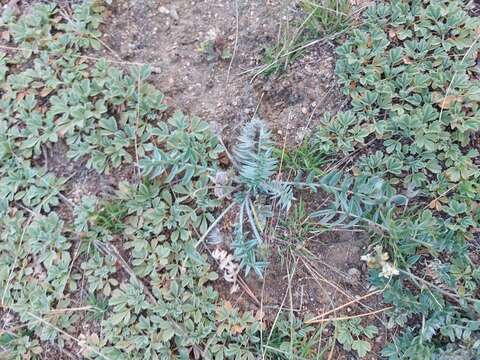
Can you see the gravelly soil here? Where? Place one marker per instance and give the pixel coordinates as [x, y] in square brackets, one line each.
[184, 41]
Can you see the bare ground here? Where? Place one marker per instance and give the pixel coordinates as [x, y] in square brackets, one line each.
[184, 41]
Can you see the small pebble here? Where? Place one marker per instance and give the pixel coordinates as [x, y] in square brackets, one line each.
[174, 14]
[164, 10]
[353, 276]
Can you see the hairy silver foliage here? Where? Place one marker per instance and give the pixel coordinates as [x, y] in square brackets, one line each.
[256, 166]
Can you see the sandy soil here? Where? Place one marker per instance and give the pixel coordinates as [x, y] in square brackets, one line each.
[184, 41]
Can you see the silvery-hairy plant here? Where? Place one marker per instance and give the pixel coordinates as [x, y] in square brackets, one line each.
[256, 166]
[355, 200]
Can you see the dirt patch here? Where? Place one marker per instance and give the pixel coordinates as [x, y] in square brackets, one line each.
[202, 62]
[80, 180]
[296, 101]
[331, 276]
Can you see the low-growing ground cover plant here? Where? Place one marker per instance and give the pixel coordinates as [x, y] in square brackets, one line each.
[63, 275]
[350, 333]
[411, 73]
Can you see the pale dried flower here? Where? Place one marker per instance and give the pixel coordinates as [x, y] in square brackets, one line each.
[215, 237]
[389, 270]
[228, 266]
[380, 260]
[222, 180]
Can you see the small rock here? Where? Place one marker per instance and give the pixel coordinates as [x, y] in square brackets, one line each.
[125, 50]
[156, 70]
[353, 276]
[164, 10]
[174, 14]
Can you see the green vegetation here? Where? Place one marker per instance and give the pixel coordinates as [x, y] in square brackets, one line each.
[123, 275]
[325, 18]
[286, 50]
[126, 263]
[410, 139]
[56, 273]
[296, 230]
[291, 339]
[410, 71]
[350, 333]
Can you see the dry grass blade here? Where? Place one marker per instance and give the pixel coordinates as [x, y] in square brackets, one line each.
[342, 318]
[235, 46]
[247, 289]
[322, 316]
[321, 279]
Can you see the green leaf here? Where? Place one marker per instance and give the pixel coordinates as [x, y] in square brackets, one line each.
[370, 331]
[145, 72]
[193, 254]
[6, 338]
[167, 334]
[362, 347]
[119, 317]
[453, 174]
[109, 124]
[344, 337]
[163, 251]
